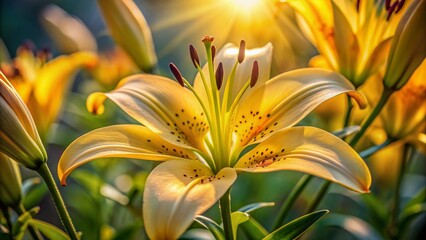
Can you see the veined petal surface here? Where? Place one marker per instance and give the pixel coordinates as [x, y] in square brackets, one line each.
[285, 100]
[309, 150]
[176, 191]
[162, 105]
[121, 141]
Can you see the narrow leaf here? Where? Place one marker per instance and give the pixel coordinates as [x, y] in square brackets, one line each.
[254, 229]
[212, 226]
[237, 218]
[48, 230]
[254, 206]
[295, 228]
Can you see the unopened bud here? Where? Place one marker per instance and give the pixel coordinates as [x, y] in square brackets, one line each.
[19, 138]
[408, 48]
[130, 30]
[10, 182]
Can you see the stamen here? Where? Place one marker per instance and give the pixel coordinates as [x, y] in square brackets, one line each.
[194, 56]
[391, 10]
[388, 4]
[207, 39]
[241, 51]
[254, 74]
[219, 76]
[177, 74]
[213, 52]
[400, 5]
[358, 3]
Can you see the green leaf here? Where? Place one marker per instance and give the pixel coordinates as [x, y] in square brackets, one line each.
[376, 210]
[237, 218]
[33, 192]
[295, 228]
[357, 227]
[410, 213]
[254, 229]
[48, 230]
[254, 206]
[212, 226]
[420, 197]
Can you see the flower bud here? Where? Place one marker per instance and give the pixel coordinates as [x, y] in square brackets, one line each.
[130, 30]
[69, 33]
[408, 47]
[10, 182]
[19, 138]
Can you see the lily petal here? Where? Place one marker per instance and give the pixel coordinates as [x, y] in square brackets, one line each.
[177, 191]
[285, 100]
[121, 141]
[228, 56]
[309, 150]
[162, 105]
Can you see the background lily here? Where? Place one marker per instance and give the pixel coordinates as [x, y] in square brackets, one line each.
[201, 131]
[43, 84]
[352, 37]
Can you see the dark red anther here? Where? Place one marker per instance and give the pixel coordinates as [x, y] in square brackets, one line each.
[358, 3]
[177, 74]
[388, 4]
[400, 5]
[213, 48]
[391, 10]
[254, 74]
[194, 56]
[241, 51]
[219, 76]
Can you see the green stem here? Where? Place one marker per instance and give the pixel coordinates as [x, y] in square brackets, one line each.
[348, 112]
[383, 99]
[393, 228]
[317, 200]
[6, 215]
[225, 210]
[295, 192]
[33, 231]
[59, 203]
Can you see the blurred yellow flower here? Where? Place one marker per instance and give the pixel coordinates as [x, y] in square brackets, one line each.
[112, 67]
[68, 33]
[43, 84]
[18, 133]
[201, 131]
[352, 37]
[405, 112]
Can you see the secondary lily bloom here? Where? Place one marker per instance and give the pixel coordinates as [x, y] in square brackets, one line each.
[43, 84]
[201, 131]
[18, 133]
[352, 37]
[405, 112]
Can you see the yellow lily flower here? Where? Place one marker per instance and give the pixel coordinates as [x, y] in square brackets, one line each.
[10, 182]
[201, 131]
[405, 112]
[18, 133]
[352, 37]
[43, 84]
